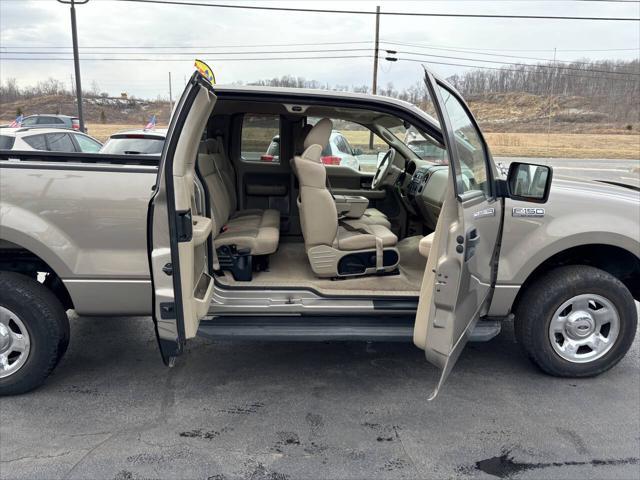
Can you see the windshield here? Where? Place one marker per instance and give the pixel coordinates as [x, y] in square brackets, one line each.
[132, 146]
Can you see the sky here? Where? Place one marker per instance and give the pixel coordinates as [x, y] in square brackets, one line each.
[203, 32]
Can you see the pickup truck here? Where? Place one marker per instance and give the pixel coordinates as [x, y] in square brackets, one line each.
[207, 241]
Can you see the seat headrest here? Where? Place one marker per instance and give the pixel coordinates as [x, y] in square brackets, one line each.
[319, 134]
[301, 138]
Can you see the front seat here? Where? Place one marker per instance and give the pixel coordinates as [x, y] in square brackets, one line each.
[336, 248]
[371, 215]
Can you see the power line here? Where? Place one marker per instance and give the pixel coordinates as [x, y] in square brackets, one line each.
[504, 69]
[364, 12]
[538, 65]
[192, 46]
[489, 54]
[395, 42]
[199, 52]
[513, 49]
[422, 61]
[180, 59]
[273, 52]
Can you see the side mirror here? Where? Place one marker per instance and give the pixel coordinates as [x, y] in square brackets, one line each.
[356, 152]
[529, 182]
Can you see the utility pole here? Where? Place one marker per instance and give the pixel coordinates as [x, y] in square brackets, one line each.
[374, 87]
[554, 72]
[170, 96]
[76, 58]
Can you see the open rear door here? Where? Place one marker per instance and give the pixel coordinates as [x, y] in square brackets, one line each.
[462, 260]
[176, 236]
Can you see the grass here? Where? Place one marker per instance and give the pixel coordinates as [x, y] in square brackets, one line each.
[558, 145]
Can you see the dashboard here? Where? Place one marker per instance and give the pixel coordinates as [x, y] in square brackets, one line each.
[425, 190]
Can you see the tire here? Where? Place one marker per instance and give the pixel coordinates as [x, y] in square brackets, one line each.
[43, 317]
[574, 286]
[66, 329]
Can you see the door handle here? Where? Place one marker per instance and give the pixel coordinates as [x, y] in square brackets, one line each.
[472, 240]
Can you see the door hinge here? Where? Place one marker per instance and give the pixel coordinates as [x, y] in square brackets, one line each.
[184, 226]
[168, 269]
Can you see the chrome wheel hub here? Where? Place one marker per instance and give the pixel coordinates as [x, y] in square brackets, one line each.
[584, 328]
[14, 343]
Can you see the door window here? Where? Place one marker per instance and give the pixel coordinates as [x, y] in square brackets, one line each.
[36, 141]
[49, 121]
[471, 170]
[342, 146]
[260, 140]
[60, 142]
[29, 121]
[87, 144]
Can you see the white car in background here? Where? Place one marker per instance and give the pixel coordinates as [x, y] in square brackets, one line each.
[47, 139]
[135, 142]
[337, 152]
[340, 152]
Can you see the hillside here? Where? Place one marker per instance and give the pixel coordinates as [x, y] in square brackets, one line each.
[108, 110]
[496, 112]
[529, 113]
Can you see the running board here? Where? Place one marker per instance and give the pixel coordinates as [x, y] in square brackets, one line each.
[319, 329]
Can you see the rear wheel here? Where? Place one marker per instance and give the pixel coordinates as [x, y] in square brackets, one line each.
[576, 321]
[33, 333]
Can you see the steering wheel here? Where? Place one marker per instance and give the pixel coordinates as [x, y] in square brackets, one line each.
[384, 168]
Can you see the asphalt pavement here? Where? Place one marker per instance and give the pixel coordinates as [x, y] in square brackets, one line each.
[280, 411]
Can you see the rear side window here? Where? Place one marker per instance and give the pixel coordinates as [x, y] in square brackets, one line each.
[36, 141]
[49, 121]
[60, 142]
[260, 138]
[6, 142]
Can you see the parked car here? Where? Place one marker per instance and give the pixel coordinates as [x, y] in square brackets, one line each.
[337, 152]
[135, 142]
[340, 152]
[429, 254]
[425, 147]
[51, 121]
[273, 151]
[48, 139]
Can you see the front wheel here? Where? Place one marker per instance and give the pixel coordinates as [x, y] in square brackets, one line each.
[576, 321]
[33, 333]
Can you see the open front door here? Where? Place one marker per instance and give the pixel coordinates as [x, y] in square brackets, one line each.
[176, 236]
[462, 260]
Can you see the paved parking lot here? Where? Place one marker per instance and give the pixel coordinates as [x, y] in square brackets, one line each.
[299, 410]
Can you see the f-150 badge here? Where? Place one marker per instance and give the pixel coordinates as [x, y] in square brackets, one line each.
[527, 212]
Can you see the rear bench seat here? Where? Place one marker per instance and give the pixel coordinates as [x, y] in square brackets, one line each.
[255, 230]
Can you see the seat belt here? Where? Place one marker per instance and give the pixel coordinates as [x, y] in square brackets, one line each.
[379, 243]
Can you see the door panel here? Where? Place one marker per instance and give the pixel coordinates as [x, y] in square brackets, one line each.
[177, 236]
[462, 261]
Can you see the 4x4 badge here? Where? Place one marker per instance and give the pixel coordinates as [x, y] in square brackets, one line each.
[527, 212]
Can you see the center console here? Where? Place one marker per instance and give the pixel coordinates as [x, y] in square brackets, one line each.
[349, 206]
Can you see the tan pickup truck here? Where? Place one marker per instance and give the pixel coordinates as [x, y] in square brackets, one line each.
[214, 238]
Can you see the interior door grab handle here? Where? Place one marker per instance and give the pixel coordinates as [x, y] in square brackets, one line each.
[473, 238]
